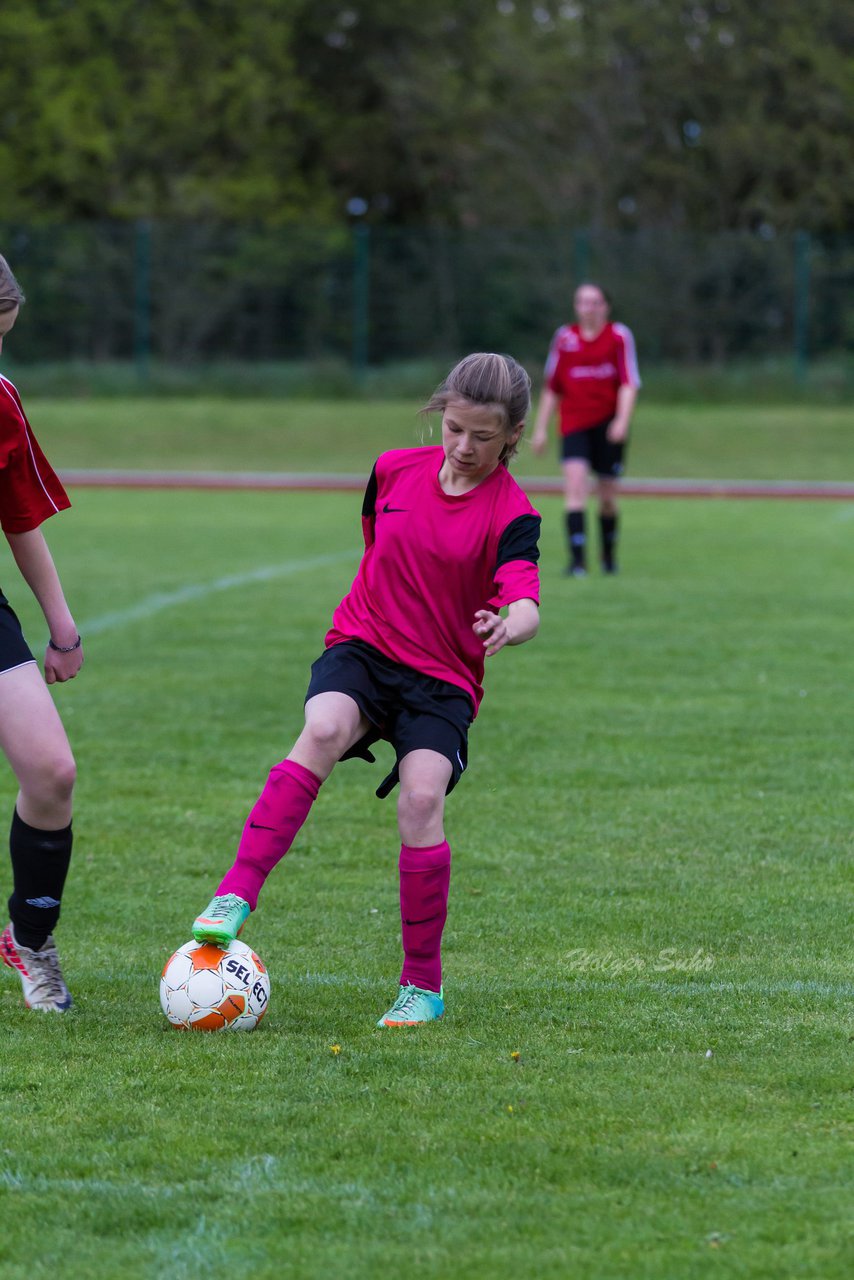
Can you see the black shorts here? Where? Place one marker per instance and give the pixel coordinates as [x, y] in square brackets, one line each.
[412, 711]
[592, 445]
[14, 650]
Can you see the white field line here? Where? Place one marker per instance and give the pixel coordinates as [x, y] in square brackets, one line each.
[263, 1172]
[259, 1174]
[560, 987]
[159, 600]
[564, 984]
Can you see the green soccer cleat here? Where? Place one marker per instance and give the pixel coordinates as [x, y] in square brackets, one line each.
[414, 1006]
[222, 919]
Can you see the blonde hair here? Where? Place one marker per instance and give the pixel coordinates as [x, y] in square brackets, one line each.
[11, 293]
[490, 379]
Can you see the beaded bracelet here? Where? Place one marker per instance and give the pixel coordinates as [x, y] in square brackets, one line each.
[65, 648]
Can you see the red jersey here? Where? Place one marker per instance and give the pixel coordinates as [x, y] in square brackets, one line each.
[587, 374]
[30, 490]
[431, 560]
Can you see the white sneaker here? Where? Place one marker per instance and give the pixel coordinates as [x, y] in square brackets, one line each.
[39, 971]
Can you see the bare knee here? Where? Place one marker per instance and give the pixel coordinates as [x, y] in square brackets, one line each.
[46, 791]
[575, 488]
[608, 499]
[420, 814]
[326, 737]
[57, 779]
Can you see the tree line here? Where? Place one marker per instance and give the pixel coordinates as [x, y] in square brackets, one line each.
[708, 116]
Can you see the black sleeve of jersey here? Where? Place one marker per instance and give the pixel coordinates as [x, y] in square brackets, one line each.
[370, 500]
[519, 541]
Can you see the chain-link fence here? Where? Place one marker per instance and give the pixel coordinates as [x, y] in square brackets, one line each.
[182, 293]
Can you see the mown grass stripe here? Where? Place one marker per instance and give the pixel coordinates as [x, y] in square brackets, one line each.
[194, 591]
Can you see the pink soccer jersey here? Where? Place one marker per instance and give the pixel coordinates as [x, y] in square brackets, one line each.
[431, 560]
[30, 490]
[587, 373]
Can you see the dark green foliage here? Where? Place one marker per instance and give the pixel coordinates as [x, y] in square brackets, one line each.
[462, 112]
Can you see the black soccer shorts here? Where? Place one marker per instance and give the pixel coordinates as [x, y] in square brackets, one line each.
[14, 650]
[412, 711]
[594, 447]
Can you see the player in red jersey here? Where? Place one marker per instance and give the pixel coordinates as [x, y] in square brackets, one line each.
[450, 539]
[31, 732]
[592, 374]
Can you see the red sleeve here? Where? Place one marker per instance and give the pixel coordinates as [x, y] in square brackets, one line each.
[30, 490]
[550, 376]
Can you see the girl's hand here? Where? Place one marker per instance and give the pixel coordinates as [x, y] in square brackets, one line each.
[494, 628]
[538, 441]
[59, 667]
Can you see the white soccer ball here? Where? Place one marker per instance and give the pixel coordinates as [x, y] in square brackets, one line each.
[205, 987]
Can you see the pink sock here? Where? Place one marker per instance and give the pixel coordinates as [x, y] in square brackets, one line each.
[271, 828]
[425, 875]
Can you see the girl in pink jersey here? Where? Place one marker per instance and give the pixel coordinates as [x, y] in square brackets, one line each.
[31, 733]
[592, 376]
[450, 540]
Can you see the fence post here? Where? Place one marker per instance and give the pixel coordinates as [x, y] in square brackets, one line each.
[581, 256]
[361, 298]
[802, 304]
[142, 299]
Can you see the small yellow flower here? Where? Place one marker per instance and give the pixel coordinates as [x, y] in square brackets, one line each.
[335, 1048]
[515, 1055]
[510, 1109]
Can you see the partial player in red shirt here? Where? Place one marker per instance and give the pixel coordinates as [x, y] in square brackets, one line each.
[31, 732]
[450, 541]
[592, 375]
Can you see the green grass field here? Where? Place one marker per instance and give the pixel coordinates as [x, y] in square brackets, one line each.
[650, 906]
[741, 441]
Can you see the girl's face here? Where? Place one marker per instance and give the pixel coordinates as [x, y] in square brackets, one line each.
[474, 438]
[591, 308]
[7, 319]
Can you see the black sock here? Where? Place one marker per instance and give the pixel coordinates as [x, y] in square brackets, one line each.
[576, 537]
[608, 532]
[39, 866]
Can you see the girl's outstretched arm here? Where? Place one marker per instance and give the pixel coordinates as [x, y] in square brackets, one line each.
[35, 562]
[521, 624]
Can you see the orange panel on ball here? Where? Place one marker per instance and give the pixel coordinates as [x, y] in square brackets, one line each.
[213, 1021]
[207, 956]
[232, 1007]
